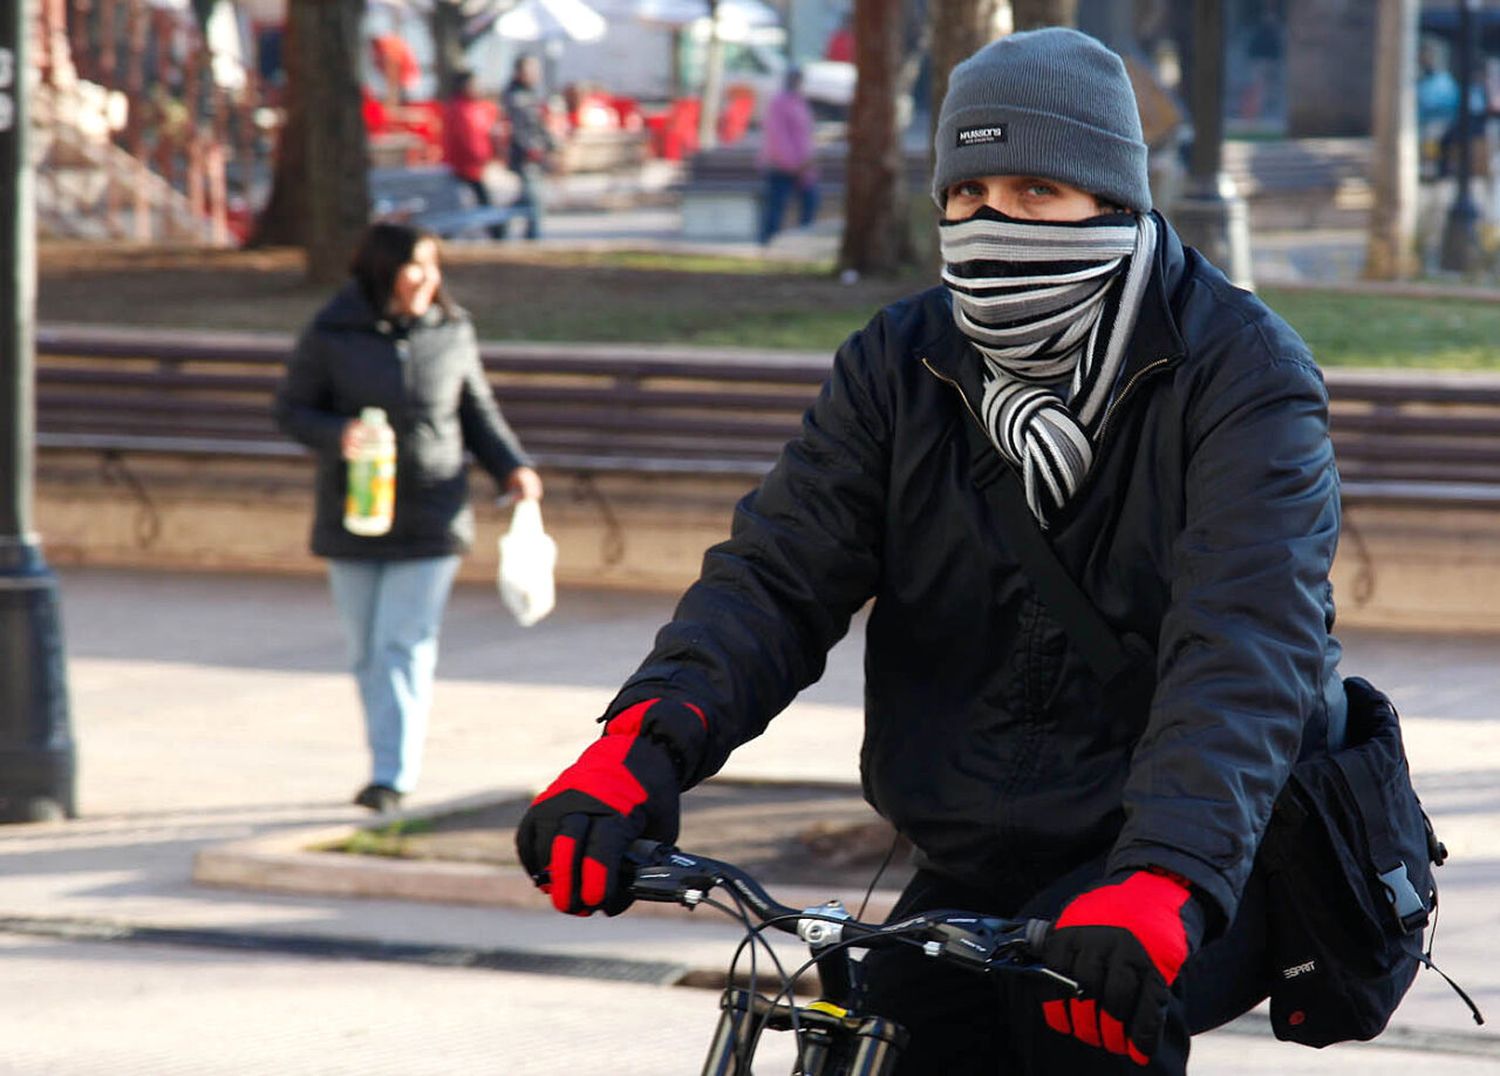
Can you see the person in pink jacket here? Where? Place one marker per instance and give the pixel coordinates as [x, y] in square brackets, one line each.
[786, 157]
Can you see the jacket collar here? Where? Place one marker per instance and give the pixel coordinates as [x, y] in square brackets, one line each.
[950, 355]
[349, 309]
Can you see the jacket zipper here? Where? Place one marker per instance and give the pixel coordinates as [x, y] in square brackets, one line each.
[1125, 392]
[956, 388]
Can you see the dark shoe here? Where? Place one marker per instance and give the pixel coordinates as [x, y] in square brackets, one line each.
[380, 798]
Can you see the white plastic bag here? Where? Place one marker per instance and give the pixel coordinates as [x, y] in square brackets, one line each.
[527, 557]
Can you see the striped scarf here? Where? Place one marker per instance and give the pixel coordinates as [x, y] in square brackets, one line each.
[1050, 307]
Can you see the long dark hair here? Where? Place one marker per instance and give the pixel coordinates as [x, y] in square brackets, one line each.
[384, 248]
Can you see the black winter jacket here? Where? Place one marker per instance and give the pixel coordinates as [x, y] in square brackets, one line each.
[1207, 526]
[530, 141]
[429, 380]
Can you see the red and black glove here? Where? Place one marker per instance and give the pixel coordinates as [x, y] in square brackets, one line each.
[625, 786]
[1124, 942]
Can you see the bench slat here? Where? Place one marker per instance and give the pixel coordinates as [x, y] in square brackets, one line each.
[654, 409]
[1415, 428]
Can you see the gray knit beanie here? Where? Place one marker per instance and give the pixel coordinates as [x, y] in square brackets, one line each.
[1052, 103]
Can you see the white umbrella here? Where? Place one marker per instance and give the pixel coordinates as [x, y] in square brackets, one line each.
[551, 20]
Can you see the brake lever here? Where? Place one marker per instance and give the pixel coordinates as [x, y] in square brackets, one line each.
[973, 940]
[980, 941]
[659, 872]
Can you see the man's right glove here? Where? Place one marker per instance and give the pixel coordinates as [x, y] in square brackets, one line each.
[1124, 942]
[624, 786]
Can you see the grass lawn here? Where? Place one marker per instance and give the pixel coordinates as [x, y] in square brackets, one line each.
[1373, 330]
[516, 294]
[521, 294]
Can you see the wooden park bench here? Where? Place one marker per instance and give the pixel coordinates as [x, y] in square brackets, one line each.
[1417, 438]
[431, 197]
[1302, 182]
[1401, 437]
[586, 408]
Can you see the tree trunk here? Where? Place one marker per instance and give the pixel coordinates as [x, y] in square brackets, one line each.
[281, 223]
[334, 141]
[1032, 14]
[877, 232]
[448, 47]
[959, 28]
[956, 29]
[1391, 251]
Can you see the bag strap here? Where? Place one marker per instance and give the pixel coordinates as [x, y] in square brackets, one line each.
[1096, 640]
[1392, 871]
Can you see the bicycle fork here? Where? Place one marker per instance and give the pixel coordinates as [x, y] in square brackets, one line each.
[830, 1041]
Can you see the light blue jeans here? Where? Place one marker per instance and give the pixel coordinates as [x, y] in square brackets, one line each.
[391, 611]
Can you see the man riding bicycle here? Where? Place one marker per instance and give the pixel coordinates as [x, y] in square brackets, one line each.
[1170, 435]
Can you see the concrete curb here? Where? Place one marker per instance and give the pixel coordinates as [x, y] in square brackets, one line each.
[377, 950]
[290, 861]
[293, 861]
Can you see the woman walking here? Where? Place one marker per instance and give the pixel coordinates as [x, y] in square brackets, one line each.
[392, 339]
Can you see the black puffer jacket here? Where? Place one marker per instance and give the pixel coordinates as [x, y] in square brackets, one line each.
[428, 379]
[1207, 526]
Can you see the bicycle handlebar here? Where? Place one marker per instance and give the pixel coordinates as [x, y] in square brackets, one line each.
[659, 872]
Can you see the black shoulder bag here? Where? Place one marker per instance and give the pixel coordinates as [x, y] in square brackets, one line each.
[1348, 853]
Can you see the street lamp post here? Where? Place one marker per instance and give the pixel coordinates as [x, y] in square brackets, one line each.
[1461, 251]
[36, 745]
[1210, 214]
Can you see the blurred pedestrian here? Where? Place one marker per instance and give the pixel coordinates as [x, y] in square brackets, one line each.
[531, 143]
[840, 45]
[392, 338]
[1437, 107]
[469, 139]
[786, 156]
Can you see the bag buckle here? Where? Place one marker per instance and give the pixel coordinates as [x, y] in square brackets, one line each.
[1405, 903]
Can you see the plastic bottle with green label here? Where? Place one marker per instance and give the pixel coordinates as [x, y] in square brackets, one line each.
[370, 504]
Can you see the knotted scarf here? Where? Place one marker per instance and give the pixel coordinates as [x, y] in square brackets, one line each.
[1050, 307]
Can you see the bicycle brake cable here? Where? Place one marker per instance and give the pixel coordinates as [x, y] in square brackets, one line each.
[884, 863]
[789, 983]
[754, 934]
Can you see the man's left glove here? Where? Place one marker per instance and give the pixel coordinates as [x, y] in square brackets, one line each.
[624, 786]
[1124, 942]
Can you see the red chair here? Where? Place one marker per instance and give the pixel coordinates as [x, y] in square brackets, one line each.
[628, 112]
[680, 138]
[739, 110]
[424, 120]
[376, 120]
[656, 131]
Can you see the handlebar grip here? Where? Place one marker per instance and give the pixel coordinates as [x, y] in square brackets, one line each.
[1036, 935]
[644, 851]
[641, 853]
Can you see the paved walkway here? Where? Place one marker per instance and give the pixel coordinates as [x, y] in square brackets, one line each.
[1322, 256]
[212, 708]
[605, 212]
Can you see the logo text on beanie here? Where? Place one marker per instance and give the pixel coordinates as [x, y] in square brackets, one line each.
[980, 136]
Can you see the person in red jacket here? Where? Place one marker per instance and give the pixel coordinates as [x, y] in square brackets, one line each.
[468, 139]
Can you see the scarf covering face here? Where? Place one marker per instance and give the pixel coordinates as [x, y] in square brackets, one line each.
[1050, 307]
